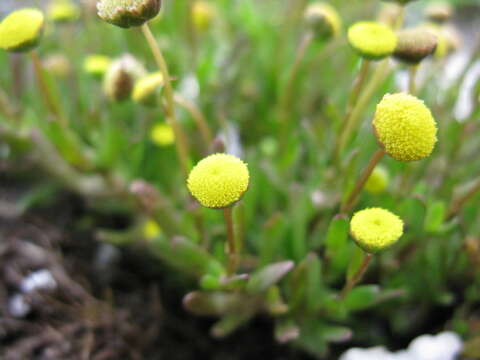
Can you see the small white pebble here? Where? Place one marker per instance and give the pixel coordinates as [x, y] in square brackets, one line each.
[18, 307]
[40, 279]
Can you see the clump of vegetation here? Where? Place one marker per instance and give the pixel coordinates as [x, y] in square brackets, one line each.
[288, 112]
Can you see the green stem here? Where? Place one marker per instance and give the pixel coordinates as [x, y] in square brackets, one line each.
[45, 90]
[412, 75]
[352, 101]
[458, 203]
[350, 201]
[354, 280]
[231, 244]
[181, 144]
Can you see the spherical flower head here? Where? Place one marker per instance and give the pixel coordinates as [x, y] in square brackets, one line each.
[128, 13]
[218, 181]
[377, 181]
[96, 65]
[203, 13]
[162, 135]
[21, 30]
[145, 90]
[405, 127]
[372, 40]
[415, 44]
[63, 11]
[121, 76]
[323, 19]
[375, 229]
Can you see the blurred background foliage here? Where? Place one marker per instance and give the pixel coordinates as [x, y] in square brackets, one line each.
[296, 251]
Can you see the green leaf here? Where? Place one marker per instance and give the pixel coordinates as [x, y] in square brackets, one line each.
[362, 297]
[337, 235]
[268, 276]
[435, 216]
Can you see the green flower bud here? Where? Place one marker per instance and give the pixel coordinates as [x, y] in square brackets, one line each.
[323, 19]
[96, 65]
[378, 181]
[416, 44]
[21, 30]
[128, 13]
[121, 76]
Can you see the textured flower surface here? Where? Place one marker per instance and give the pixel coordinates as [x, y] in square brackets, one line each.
[372, 40]
[378, 181]
[324, 19]
[219, 180]
[405, 127]
[21, 30]
[375, 229]
[128, 13]
[145, 88]
[162, 135]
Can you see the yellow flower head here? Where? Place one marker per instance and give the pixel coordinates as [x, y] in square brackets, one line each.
[323, 19]
[378, 180]
[63, 11]
[128, 13]
[203, 14]
[96, 65]
[218, 181]
[372, 40]
[162, 135]
[21, 30]
[151, 229]
[145, 89]
[405, 127]
[375, 229]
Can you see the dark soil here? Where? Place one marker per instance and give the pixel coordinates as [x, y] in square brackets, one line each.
[109, 303]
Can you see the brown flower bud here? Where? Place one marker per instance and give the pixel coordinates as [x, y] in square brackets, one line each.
[415, 44]
[128, 13]
[121, 76]
[439, 12]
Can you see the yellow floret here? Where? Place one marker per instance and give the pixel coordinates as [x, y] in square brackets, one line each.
[324, 19]
[151, 229]
[162, 135]
[203, 13]
[63, 11]
[219, 180]
[375, 229]
[405, 127]
[378, 181]
[21, 30]
[372, 40]
[144, 91]
[96, 65]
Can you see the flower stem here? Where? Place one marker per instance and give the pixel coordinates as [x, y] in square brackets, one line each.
[352, 281]
[412, 75]
[457, 204]
[45, 90]
[351, 104]
[350, 201]
[231, 245]
[198, 117]
[181, 144]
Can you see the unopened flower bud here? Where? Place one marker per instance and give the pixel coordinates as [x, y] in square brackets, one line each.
[63, 11]
[21, 30]
[415, 44]
[203, 13]
[121, 76]
[146, 89]
[323, 19]
[439, 12]
[96, 65]
[128, 13]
